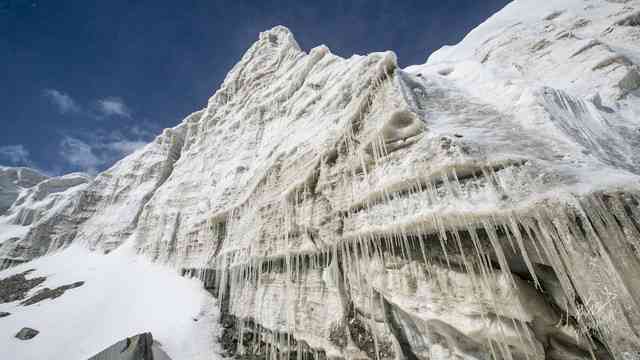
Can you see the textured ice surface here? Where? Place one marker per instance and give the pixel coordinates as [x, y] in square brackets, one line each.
[485, 204]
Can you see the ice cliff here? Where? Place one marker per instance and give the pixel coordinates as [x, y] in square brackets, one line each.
[485, 204]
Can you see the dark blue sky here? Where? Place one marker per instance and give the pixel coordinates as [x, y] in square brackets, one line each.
[87, 81]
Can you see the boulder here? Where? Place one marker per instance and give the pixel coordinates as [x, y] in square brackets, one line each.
[27, 333]
[137, 347]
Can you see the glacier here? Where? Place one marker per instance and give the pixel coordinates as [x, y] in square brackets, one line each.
[482, 205]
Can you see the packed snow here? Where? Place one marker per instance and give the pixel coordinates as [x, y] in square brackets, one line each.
[8, 231]
[123, 295]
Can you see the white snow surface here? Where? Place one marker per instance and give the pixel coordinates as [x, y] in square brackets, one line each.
[123, 295]
[8, 231]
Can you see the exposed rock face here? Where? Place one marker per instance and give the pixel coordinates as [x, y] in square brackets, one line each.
[16, 287]
[47, 293]
[483, 205]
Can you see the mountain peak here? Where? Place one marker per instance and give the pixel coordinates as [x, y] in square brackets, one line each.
[278, 35]
[269, 52]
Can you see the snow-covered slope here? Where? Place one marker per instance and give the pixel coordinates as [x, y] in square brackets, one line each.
[484, 204]
[122, 295]
[576, 61]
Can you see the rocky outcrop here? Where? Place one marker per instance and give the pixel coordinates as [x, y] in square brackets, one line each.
[17, 286]
[137, 347]
[47, 293]
[483, 205]
[27, 333]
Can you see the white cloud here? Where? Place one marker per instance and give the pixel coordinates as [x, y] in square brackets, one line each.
[79, 153]
[62, 101]
[125, 147]
[91, 151]
[114, 107]
[15, 154]
[145, 129]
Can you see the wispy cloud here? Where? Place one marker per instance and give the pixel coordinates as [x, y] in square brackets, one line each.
[114, 107]
[80, 154]
[15, 154]
[125, 147]
[91, 151]
[145, 129]
[64, 102]
[94, 149]
[99, 109]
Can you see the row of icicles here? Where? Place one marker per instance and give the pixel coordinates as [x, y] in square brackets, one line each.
[555, 231]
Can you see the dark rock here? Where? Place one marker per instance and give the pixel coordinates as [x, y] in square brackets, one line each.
[17, 286]
[228, 321]
[6, 263]
[47, 293]
[4, 314]
[138, 347]
[445, 143]
[27, 333]
[554, 15]
[630, 20]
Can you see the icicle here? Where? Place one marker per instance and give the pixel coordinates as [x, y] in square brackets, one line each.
[442, 236]
[515, 230]
[489, 228]
[611, 241]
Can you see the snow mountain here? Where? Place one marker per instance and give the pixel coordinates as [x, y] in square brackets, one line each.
[485, 204]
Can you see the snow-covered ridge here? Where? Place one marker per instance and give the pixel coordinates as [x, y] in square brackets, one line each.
[484, 204]
[12, 181]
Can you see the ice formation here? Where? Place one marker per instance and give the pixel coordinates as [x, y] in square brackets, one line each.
[485, 204]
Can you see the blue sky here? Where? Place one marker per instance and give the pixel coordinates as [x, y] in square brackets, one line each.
[89, 81]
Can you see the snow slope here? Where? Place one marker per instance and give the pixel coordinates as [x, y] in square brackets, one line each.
[123, 295]
[564, 68]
